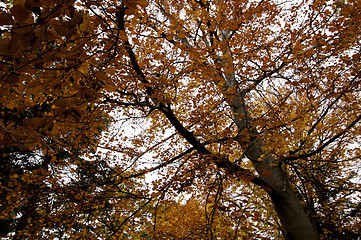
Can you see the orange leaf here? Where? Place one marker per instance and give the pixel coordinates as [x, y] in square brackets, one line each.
[266, 173]
[143, 3]
[101, 75]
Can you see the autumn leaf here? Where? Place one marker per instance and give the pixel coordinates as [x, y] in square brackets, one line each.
[171, 119]
[21, 14]
[5, 47]
[6, 19]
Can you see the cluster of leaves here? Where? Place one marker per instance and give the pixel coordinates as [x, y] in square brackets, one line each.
[227, 103]
[51, 121]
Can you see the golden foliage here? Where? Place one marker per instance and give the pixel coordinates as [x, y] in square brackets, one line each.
[227, 103]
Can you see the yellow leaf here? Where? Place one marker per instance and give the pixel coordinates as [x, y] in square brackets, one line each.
[84, 68]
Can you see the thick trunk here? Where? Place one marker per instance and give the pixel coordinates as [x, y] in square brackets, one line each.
[295, 223]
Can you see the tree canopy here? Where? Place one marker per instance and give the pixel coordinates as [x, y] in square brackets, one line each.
[196, 119]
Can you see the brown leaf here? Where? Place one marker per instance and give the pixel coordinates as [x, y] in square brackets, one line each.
[20, 13]
[6, 19]
[13, 79]
[266, 173]
[5, 47]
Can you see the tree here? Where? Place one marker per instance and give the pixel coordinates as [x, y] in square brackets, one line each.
[250, 107]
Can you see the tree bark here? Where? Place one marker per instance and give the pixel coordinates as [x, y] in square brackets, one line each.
[296, 225]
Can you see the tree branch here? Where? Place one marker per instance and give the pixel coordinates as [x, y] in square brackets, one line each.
[323, 146]
[220, 161]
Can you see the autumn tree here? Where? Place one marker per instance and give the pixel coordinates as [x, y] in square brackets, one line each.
[180, 119]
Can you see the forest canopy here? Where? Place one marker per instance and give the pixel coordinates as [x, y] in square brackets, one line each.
[196, 119]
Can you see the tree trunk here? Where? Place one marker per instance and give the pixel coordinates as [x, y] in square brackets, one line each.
[296, 225]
